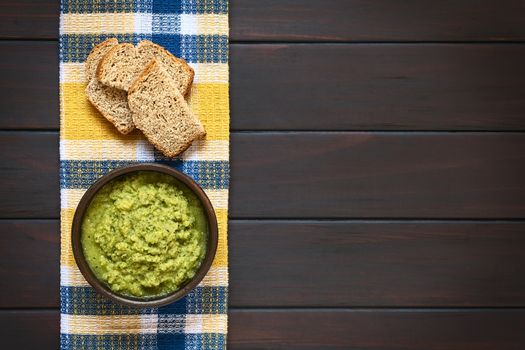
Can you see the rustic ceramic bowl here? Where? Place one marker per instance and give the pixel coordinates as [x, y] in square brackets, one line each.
[101, 287]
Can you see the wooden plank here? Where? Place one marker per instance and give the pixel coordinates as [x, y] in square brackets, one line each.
[35, 19]
[321, 175]
[377, 329]
[29, 177]
[378, 175]
[376, 264]
[29, 256]
[323, 20]
[310, 329]
[319, 87]
[29, 87]
[385, 20]
[30, 329]
[366, 264]
[377, 87]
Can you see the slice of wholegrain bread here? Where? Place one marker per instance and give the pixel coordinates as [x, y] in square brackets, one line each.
[112, 103]
[161, 112]
[120, 66]
[96, 55]
[124, 63]
[177, 68]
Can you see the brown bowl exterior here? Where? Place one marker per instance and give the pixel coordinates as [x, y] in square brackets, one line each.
[99, 286]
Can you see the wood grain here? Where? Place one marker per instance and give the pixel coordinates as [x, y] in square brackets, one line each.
[383, 20]
[35, 19]
[377, 87]
[29, 260]
[29, 185]
[377, 330]
[320, 175]
[30, 329]
[322, 20]
[29, 85]
[378, 175]
[327, 264]
[319, 87]
[340, 264]
[340, 329]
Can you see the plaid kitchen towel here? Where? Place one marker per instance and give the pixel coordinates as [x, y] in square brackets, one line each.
[196, 30]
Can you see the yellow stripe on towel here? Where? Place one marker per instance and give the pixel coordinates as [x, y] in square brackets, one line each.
[203, 24]
[114, 324]
[98, 23]
[206, 323]
[66, 250]
[221, 257]
[141, 23]
[84, 122]
[208, 101]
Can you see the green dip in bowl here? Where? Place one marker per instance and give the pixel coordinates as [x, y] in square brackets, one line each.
[144, 234]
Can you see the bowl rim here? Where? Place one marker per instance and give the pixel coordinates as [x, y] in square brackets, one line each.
[102, 288]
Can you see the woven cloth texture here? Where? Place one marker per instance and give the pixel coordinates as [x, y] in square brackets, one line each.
[196, 30]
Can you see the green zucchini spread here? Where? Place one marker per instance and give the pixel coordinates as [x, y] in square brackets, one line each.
[144, 234]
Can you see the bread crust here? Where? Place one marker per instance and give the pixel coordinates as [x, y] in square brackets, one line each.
[102, 66]
[188, 69]
[94, 54]
[123, 130]
[153, 65]
[131, 60]
[94, 58]
[149, 67]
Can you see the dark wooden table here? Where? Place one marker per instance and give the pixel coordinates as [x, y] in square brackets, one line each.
[377, 180]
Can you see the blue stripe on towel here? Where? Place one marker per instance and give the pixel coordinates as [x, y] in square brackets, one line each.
[192, 48]
[160, 341]
[109, 341]
[78, 174]
[80, 300]
[146, 6]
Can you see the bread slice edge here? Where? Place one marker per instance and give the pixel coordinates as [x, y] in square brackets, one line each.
[188, 68]
[106, 115]
[101, 70]
[95, 52]
[153, 64]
